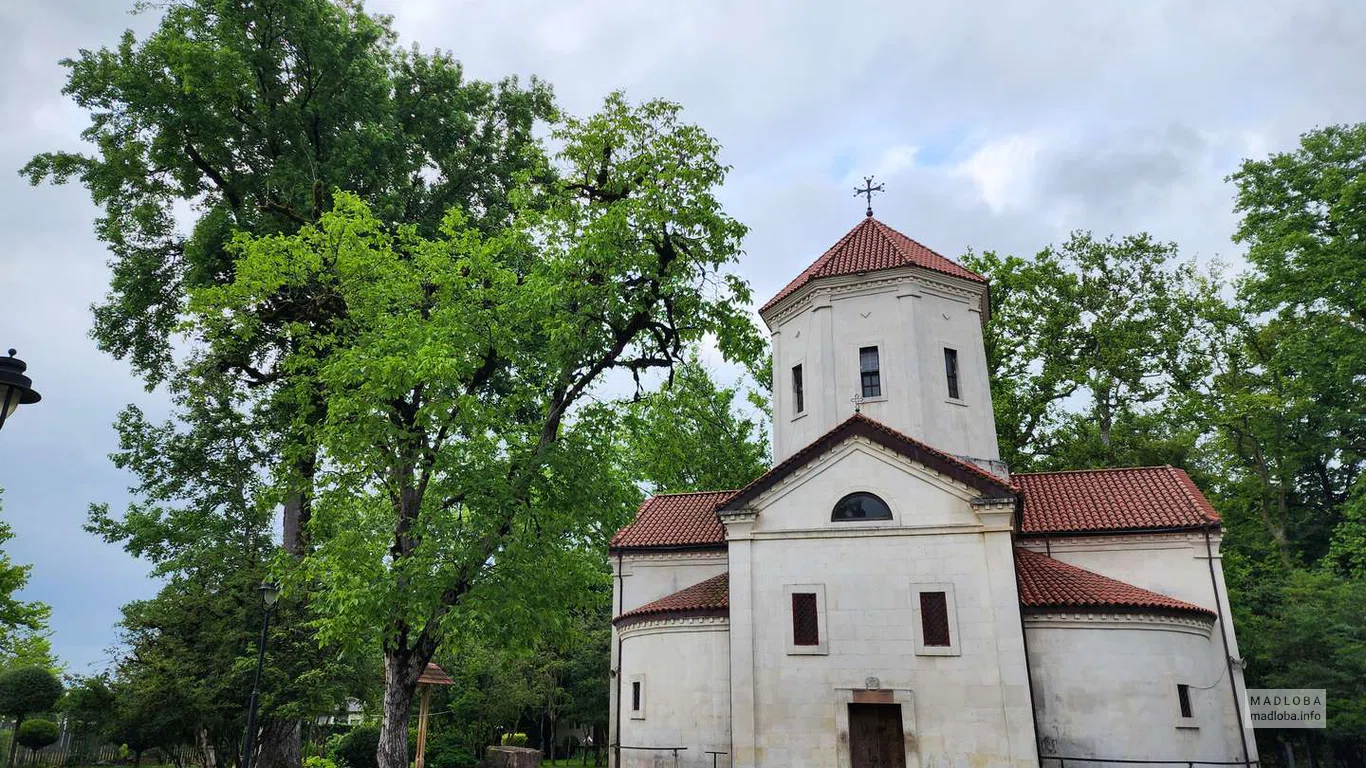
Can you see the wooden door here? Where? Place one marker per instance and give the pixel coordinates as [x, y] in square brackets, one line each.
[875, 737]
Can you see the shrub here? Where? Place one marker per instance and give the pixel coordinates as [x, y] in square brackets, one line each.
[514, 740]
[27, 690]
[318, 762]
[359, 747]
[447, 750]
[36, 734]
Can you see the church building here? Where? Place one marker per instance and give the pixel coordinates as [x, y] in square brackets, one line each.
[889, 595]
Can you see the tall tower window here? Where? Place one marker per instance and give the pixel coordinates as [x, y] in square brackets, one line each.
[870, 371]
[951, 371]
[797, 396]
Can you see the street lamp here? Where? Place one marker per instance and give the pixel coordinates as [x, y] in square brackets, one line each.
[16, 389]
[270, 592]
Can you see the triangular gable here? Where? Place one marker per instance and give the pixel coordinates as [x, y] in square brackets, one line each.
[859, 425]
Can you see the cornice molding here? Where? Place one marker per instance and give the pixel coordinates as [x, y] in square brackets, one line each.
[907, 281]
[1194, 624]
[667, 625]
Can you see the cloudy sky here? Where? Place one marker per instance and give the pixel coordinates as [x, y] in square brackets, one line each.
[995, 125]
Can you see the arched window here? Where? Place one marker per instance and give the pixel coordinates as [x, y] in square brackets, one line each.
[861, 506]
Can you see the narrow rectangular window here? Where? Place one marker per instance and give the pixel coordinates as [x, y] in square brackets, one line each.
[951, 370]
[934, 619]
[870, 372]
[1183, 695]
[805, 627]
[797, 396]
[635, 696]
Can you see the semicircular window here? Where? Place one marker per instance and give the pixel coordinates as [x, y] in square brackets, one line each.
[861, 506]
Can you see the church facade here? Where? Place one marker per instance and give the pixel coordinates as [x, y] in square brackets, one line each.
[889, 595]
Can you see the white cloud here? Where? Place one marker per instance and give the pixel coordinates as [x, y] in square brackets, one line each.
[1002, 170]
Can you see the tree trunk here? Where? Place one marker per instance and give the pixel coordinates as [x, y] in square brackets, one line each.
[280, 745]
[207, 758]
[401, 670]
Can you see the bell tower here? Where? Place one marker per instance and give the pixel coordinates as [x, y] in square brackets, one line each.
[885, 325]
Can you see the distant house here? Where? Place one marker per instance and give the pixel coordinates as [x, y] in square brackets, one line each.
[352, 713]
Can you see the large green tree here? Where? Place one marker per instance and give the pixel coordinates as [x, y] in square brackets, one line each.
[462, 454]
[249, 114]
[1092, 347]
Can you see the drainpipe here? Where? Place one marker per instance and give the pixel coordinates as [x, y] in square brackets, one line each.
[621, 597]
[1228, 659]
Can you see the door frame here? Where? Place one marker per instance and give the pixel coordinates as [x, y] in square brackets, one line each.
[872, 694]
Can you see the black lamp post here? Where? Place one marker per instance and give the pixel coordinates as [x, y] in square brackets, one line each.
[269, 593]
[16, 389]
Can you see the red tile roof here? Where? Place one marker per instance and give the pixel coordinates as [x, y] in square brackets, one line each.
[1048, 583]
[1136, 498]
[869, 247]
[860, 425]
[676, 520]
[708, 598]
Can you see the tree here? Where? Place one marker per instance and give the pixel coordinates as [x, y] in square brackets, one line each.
[1092, 347]
[1302, 222]
[461, 451]
[89, 709]
[252, 113]
[202, 516]
[22, 623]
[688, 436]
[36, 734]
[27, 691]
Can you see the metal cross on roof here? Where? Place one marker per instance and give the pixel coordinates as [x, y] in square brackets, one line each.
[867, 191]
[857, 400]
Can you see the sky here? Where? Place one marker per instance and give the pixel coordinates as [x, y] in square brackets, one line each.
[994, 126]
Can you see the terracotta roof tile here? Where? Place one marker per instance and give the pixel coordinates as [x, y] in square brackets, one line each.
[1048, 583]
[1111, 500]
[707, 598]
[965, 472]
[869, 247]
[675, 520]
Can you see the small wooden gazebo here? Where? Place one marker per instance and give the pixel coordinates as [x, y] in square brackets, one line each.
[432, 675]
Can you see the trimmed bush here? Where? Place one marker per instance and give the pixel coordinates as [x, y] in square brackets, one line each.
[36, 734]
[359, 748]
[514, 740]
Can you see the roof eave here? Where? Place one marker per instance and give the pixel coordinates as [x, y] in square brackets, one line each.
[1209, 526]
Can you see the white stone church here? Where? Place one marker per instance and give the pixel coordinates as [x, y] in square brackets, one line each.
[888, 595]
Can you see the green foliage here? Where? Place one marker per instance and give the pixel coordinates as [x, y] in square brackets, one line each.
[89, 705]
[513, 740]
[22, 623]
[26, 691]
[257, 112]
[447, 750]
[318, 761]
[461, 456]
[37, 733]
[358, 748]
[688, 436]
[1092, 347]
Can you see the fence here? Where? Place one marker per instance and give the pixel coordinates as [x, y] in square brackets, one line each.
[70, 749]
